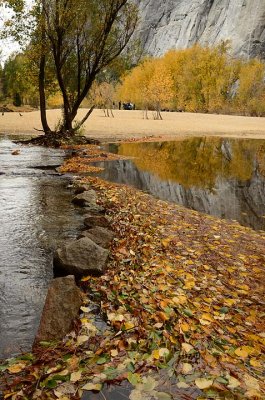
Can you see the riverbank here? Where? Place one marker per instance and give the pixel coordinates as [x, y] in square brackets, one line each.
[181, 305]
[183, 299]
[128, 125]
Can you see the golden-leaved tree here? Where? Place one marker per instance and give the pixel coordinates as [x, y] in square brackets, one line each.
[197, 79]
[251, 91]
[150, 86]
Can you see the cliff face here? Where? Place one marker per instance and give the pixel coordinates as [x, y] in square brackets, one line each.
[167, 24]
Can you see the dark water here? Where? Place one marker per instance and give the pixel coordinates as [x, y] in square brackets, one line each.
[36, 215]
[221, 177]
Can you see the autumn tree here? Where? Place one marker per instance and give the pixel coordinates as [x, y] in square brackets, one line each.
[102, 95]
[197, 79]
[250, 98]
[149, 85]
[81, 39]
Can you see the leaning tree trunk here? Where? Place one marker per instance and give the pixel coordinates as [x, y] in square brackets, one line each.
[42, 65]
[43, 115]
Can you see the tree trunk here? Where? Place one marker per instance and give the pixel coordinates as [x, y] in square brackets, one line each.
[43, 115]
[42, 64]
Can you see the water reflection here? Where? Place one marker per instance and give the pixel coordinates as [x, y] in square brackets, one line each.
[221, 177]
[36, 215]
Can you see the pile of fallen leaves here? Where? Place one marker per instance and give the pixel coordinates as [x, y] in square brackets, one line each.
[84, 155]
[182, 311]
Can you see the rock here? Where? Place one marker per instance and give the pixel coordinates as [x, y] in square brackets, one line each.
[61, 307]
[95, 209]
[101, 236]
[81, 257]
[178, 24]
[87, 198]
[92, 221]
[81, 188]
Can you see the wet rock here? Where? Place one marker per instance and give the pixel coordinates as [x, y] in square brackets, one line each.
[81, 257]
[60, 310]
[92, 221]
[95, 209]
[81, 188]
[86, 199]
[101, 236]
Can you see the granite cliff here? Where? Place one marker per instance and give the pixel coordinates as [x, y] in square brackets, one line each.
[167, 24]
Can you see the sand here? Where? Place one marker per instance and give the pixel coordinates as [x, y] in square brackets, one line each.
[131, 125]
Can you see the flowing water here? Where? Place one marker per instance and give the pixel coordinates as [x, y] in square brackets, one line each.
[36, 215]
[220, 177]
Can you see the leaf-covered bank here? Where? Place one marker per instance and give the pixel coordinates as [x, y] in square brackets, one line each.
[183, 295]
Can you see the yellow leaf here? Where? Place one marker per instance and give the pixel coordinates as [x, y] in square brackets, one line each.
[230, 302]
[187, 347]
[128, 325]
[182, 385]
[82, 339]
[163, 316]
[180, 300]
[7, 396]
[85, 279]
[16, 368]
[244, 351]
[165, 242]
[203, 383]
[85, 309]
[115, 317]
[186, 368]
[233, 382]
[163, 352]
[173, 340]
[204, 322]
[244, 287]
[75, 376]
[185, 327]
[114, 353]
[92, 386]
[207, 317]
[155, 354]
[255, 363]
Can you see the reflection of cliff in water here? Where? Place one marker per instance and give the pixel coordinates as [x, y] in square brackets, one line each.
[229, 197]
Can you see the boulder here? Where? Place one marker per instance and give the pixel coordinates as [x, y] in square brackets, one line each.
[61, 308]
[95, 209]
[101, 236]
[81, 188]
[92, 221]
[87, 198]
[81, 257]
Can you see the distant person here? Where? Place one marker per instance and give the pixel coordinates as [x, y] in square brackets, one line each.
[119, 105]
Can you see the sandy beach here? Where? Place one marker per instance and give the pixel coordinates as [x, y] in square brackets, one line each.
[131, 125]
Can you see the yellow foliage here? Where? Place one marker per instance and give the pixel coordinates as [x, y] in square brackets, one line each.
[199, 80]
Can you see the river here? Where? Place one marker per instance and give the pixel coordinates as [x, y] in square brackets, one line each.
[36, 216]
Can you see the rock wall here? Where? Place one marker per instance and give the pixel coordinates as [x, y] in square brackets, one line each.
[167, 24]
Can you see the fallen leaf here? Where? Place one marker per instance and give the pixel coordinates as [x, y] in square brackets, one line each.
[203, 383]
[187, 347]
[92, 386]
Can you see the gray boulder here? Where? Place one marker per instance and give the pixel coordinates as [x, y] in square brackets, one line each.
[92, 221]
[81, 188]
[81, 257]
[87, 198]
[101, 236]
[61, 308]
